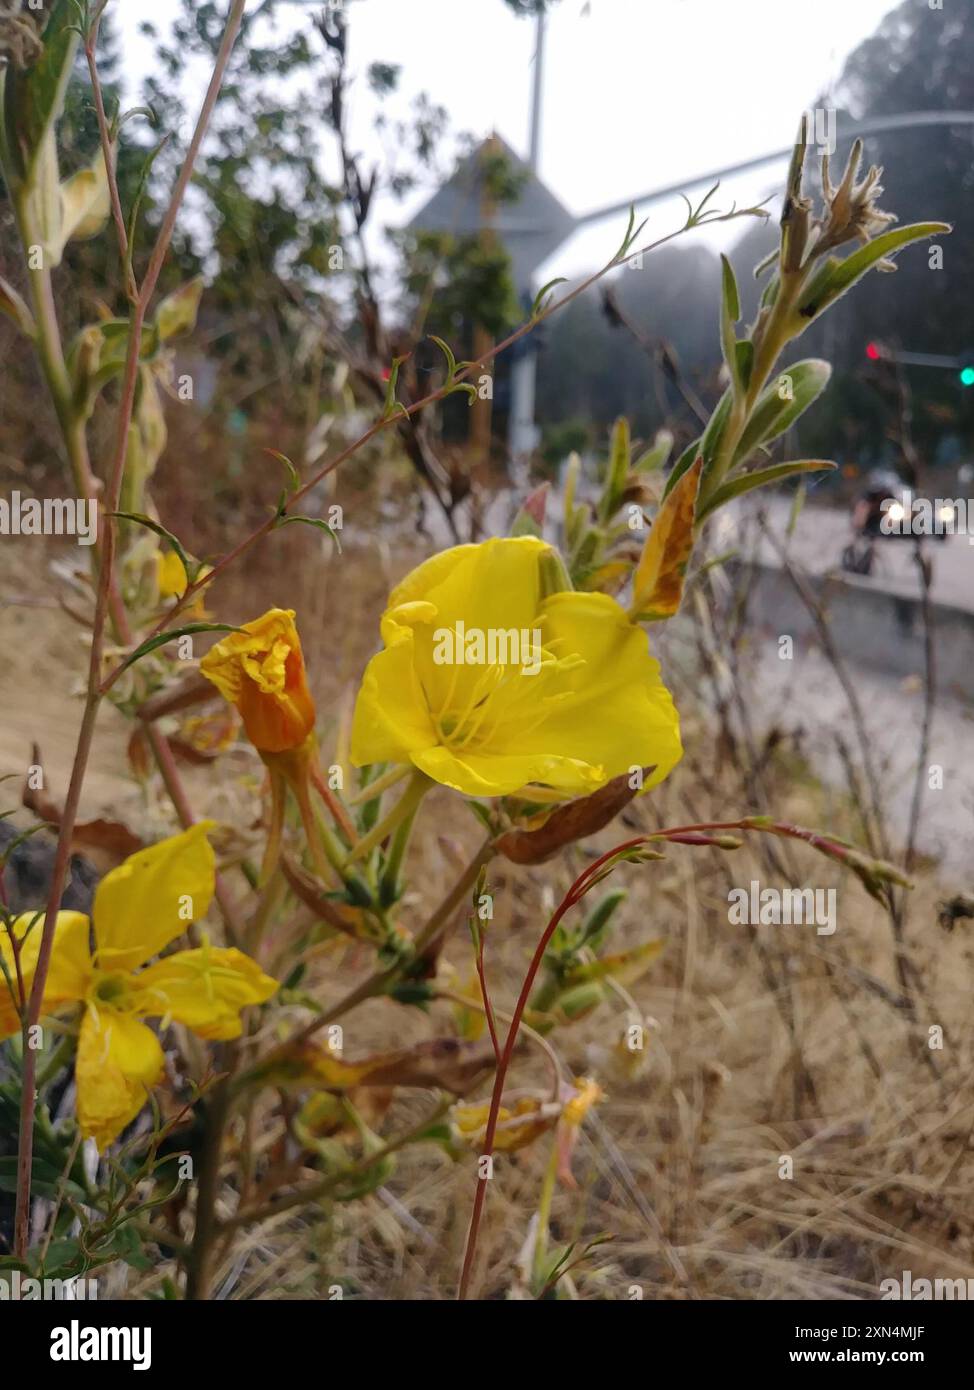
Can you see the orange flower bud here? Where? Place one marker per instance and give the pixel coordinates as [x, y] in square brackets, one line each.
[261, 670]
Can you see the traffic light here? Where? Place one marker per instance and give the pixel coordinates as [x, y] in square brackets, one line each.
[874, 352]
[967, 376]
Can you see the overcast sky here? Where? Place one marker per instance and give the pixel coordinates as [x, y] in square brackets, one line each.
[638, 93]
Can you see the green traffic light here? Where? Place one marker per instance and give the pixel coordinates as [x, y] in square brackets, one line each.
[967, 376]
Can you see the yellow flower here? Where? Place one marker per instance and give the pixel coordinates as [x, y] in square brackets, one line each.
[581, 703]
[261, 670]
[139, 908]
[171, 574]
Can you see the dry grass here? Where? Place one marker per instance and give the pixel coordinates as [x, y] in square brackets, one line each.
[765, 1042]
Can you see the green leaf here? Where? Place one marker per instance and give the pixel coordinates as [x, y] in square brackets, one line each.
[447, 351]
[46, 1180]
[618, 469]
[686, 461]
[732, 300]
[141, 519]
[34, 99]
[391, 405]
[140, 192]
[656, 456]
[161, 638]
[775, 412]
[836, 276]
[292, 472]
[540, 299]
[747, 482]
[744, 355]
[312, 521]
[730, 312]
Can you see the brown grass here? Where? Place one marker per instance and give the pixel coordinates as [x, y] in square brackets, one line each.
[765, 1043]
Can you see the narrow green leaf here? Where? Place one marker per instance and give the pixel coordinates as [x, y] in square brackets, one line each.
[836, 276]
[747, 482]
[161, 638]
[781, 403]
[744, 353]
[140, 519]
[292, 472]
[313, 521]
[447, 351]
[391, 404]
[540, 299]
[730, 312]
[732, 299]
[656, 456]
[618, 469]
[683, 463]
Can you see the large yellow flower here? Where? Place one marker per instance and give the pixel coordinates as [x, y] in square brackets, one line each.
[582, 703]
[139, 908]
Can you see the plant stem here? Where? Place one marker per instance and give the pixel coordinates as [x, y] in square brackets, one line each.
[544, 1212]
[102, 606]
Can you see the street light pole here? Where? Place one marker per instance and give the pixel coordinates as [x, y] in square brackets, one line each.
[521, 431]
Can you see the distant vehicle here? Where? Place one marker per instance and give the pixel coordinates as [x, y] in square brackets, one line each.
[886, 509]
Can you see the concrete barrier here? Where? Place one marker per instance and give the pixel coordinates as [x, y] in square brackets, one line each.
[881, 628]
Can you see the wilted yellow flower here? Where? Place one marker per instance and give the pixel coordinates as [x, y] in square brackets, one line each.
[587, 1094]
[139, 908]
[517, 1126]
[261, 670]
[489, 681]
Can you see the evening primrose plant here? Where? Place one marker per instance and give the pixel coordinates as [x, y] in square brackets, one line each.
[174, 1062]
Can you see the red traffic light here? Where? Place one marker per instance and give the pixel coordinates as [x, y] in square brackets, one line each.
[873, 352]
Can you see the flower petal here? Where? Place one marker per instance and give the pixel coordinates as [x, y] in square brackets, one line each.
[151, 899]
[613, 710]
[119, 1061]
[70, 968]
[204, 988]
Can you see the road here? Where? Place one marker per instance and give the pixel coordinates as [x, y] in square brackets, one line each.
[821, 534]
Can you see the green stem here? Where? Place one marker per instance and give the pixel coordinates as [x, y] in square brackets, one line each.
[544, 1213]
[405, 807]
[61, 1055]
[390, 886]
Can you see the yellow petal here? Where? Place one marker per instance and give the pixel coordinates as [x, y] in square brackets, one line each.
[151, 899]
[392, 719]
[204, 988]
[69, 971]
[119, 1061]
[493, 584]
[613, 709]
[170, 574]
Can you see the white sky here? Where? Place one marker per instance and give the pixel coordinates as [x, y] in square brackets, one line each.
[638, 93]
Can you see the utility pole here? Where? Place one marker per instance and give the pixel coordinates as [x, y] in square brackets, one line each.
[521, 431]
